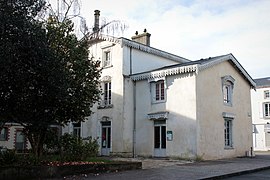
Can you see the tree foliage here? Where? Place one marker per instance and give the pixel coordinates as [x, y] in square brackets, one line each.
[45, 73]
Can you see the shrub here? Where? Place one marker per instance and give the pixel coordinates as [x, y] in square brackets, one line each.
[76, 149]
[8, 157]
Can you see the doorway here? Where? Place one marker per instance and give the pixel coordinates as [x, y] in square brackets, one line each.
[105, 138]
[160, 138]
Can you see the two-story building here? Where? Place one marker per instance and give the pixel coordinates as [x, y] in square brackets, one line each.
[260, 100]
[157, 104]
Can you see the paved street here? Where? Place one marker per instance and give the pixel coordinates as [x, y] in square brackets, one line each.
[173, 169]
[261, 175]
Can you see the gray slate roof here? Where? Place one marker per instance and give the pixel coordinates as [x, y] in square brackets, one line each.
[208, 62]
[262, 82]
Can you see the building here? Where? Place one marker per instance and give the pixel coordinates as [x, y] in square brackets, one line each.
[157, 104]
[12, 137]
[261, 114]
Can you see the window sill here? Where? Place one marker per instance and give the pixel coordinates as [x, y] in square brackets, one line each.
[157, 102]
[105, 67]
[227, 104]
[105, 107]
[228, 148]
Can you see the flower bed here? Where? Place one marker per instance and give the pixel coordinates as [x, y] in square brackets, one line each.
[57, 169]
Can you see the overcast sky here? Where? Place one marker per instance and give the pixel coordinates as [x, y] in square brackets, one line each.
[196, 29]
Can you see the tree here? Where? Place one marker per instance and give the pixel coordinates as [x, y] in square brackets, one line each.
[45, 74]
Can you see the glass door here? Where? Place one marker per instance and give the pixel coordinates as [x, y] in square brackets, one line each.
[105, 138]
[159, 138]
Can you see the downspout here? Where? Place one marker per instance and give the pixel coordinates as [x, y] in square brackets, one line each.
[134, 119]
[134, 106]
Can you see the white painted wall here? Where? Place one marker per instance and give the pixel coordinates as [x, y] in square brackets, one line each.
[181, 105]
[258, 120]
[210, 108]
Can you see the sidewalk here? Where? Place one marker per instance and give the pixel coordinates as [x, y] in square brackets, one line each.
[174, 169]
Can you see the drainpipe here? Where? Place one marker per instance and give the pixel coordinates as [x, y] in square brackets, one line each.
[134, 105]
[134, 119]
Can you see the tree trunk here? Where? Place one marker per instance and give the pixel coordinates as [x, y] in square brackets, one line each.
[36, 139]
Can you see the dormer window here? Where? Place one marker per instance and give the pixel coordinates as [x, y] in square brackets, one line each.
[227, 89]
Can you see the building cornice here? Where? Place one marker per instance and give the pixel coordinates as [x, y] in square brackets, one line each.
[165, 72]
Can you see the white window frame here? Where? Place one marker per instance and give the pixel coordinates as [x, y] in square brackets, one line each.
[107, 57]
[153, 90]
[77, 129]
[107, 93]
[266, 110]
[227, 90]
[266, 94]
[228, 132]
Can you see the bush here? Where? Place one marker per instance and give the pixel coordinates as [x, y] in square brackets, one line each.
[8, 157]
[76, 149]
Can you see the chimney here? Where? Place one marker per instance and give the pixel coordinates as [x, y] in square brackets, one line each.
[143, 38]
[96, 25]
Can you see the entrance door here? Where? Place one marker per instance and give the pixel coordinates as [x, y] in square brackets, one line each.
[267, 139]
[159, 138]
[20, 141]
[105, 138]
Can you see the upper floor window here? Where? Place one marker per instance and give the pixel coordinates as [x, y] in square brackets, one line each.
[4, 134]
[106, 86]
[266, 110]
[107, 93]
[227, 89]
[158, 90]
[266, 94]
[106, 57]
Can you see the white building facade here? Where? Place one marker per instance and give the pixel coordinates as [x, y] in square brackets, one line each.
[261, 114]
[156, 104]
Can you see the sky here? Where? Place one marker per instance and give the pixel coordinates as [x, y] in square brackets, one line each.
[195, 29]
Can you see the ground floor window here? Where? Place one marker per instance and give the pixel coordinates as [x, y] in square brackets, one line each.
[267, 110]
[77, 129]
[228, 132]
[4, 134]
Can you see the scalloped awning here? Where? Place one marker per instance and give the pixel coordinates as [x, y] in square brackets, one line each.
[158, 115]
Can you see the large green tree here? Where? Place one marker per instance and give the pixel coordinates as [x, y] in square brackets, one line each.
[45, 74]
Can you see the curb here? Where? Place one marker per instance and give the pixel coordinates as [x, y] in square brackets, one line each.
[237, 173]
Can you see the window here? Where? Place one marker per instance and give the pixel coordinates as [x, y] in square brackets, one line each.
[4, 134]
[266, 94]
[106, 87]
[106, 58]
[158, 91]
[227, 89]
[228, 132]
[266, 110]
[77, 129]
[107, 93]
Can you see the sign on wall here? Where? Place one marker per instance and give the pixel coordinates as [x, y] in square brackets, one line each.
[169, 135]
